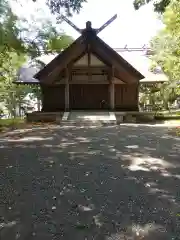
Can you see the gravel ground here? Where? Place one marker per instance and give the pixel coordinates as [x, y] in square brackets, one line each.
[90, 183]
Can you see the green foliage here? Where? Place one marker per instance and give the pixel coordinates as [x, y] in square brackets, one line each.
[139, 3]
[57, 43]
[9, 32]
[32, 39]
[166, 45]
[51, 42]
[67, 6]
[159, 6]
[21, 41]
[46, 39]
[10, 94]
[166, 54]
[12, 56]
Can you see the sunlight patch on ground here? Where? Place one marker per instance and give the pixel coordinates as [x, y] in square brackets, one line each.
[29, 139]
[97, 220]
[83, 139]
[147, 163]
[150, 148]
[67, 144]
[9, 224]
[148, 231]
[48, 145]
[166, 124]
[86, 208]
[132, 146]
[156, 190]
[162, 194]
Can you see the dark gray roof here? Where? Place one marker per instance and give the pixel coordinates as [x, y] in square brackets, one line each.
[25, 75]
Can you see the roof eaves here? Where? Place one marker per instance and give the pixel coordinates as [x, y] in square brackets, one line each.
[50, 66]
[120, 58]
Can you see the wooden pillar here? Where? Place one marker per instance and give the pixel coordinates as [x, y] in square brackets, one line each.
[112, 98]
[89, 62]
[111, 89]
[67, 90]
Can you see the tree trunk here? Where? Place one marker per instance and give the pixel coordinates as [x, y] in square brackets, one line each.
[38, 104]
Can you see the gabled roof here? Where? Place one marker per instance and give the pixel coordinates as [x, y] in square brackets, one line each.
[62, 59]
[123, 69]
[138, 59]
[116, 59]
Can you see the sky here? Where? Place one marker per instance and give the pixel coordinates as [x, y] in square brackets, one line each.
[134, 28]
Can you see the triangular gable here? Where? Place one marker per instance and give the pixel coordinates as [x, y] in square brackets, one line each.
[124, 71]
[83, 61]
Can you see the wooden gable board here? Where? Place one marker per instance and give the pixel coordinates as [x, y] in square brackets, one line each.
[121, 65]
[60, 62]
[83, 61]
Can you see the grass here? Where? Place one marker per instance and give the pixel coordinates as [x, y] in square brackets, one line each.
[20, 123]
[167, 115]
[11, 123]
[171, 112]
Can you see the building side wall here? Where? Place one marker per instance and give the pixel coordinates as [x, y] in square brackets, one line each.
[53, 98]
[126, 97]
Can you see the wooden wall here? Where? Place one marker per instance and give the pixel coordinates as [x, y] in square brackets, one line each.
[53, 98]
[126, 97]
[89, 96]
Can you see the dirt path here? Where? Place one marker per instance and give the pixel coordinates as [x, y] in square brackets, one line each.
[97, 183]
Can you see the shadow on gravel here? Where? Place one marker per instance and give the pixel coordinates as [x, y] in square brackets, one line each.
[90, 183]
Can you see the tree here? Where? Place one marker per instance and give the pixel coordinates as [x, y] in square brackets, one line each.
[10, 38]
[67, 6]
[159, 6]
[11, 48]
[166, 45]
[17, 44]
[10, 94]
[166, 48]
[53, 43]
[56, 43]
[44, 39]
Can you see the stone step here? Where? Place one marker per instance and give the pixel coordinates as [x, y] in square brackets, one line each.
[86, 123]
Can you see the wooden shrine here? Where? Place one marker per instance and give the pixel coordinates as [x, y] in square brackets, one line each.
[89, 75]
